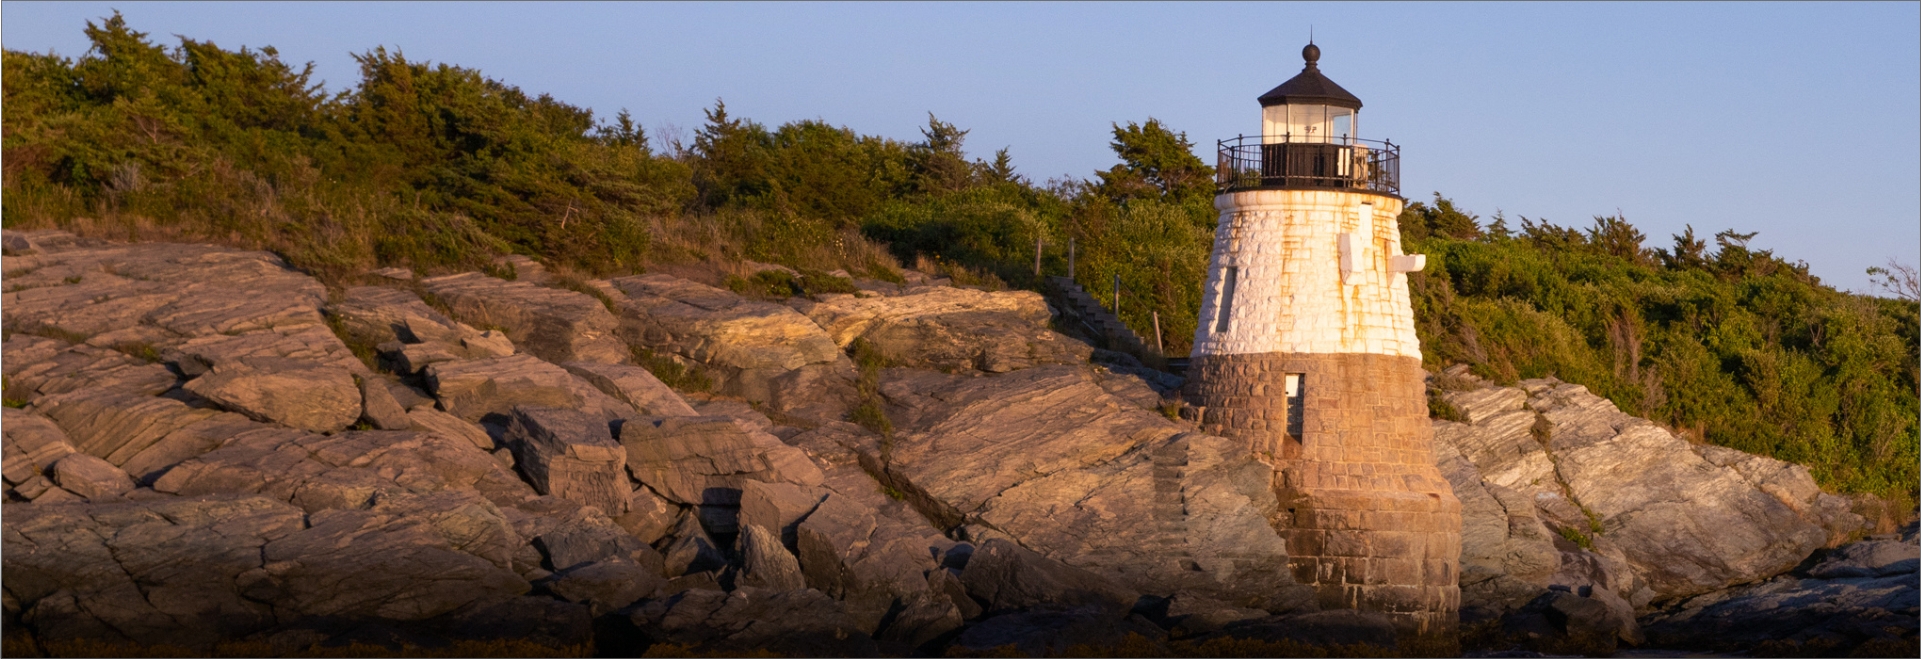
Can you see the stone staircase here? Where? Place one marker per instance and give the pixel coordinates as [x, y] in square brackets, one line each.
[1096, 320]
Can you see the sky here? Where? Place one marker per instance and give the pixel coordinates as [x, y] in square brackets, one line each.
[1798, 121]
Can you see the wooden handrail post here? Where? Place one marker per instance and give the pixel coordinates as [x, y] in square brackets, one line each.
[1070, 257]
[1037, 258]
[1158, 346]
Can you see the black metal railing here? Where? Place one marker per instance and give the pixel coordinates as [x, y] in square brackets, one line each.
[1251, 163]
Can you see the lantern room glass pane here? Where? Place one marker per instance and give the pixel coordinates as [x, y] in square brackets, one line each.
[1341, 125]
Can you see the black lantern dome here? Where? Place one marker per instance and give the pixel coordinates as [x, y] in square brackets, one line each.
[1310, 86]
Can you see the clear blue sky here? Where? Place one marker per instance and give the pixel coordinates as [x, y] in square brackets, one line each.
[1800, 121]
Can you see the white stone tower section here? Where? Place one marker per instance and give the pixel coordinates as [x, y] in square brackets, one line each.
[1306, 351]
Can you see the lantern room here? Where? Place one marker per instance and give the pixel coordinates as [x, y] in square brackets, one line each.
[1309, 108]
[1309, 139]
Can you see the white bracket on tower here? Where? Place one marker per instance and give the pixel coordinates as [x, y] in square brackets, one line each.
[1407, 263]
[1351, 256]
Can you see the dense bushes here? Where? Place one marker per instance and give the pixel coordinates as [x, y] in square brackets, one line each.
[437, 167]
[1735, 346]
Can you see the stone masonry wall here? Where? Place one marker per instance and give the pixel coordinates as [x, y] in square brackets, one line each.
[1289, 296]
[1369, 521]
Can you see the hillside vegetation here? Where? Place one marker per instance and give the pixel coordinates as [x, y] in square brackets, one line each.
[439, 168]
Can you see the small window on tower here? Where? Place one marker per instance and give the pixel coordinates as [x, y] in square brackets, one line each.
[1296, 396]
[1227, 298]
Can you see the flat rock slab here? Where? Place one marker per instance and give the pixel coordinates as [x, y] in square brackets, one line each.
[554, 324]
[37, 366]
[707, 460]
[951, 328]
[350, 470]
[476, 388]
[308, 343]
[186, 290]
[291, 392]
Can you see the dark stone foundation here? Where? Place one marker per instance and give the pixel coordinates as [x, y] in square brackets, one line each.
[1369, 521]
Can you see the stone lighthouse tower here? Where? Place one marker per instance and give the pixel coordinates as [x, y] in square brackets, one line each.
[1306, 351]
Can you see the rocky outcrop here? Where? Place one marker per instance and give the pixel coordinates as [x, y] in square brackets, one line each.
[757, 350]
[1681, 518]
[950, 329]
[194, 572]
[1047, 458]
[180, 470]
[718, 327]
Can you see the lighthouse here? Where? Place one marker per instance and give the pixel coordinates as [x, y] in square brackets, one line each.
[1306, 352]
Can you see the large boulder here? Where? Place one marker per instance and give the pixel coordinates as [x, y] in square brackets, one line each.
[408, 557]
[633, 385]
[946, 328]
[571, 455]
[379, 314]
[177, 572]
[553, 324]
[1862, 599]
[756, 350]
[702, 460]
[876, 565]
[1686, 518]
[718, 327]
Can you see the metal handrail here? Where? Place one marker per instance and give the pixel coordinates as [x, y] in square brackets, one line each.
[1293, 161]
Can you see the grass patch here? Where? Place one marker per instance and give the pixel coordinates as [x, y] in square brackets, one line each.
[1439, 408]
[577, 284]
[1575, 536]
[362, 347]
[140, 350]
[504, 271]
[72, 280]
[767, 285]
[816, 282]
[892, 493]
[869, 413]
[61, 333]
[672, 373]
[7, 397]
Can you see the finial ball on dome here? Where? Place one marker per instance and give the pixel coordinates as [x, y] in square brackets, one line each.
[1311, 53]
